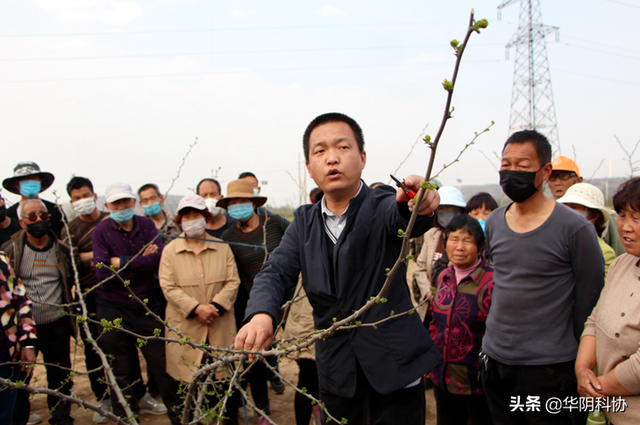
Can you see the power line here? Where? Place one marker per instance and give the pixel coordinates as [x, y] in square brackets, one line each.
[597, 78]
[322, 49]
[180, 74]
[602, 51]
[600, 44]
[228, 29]
[623, 4]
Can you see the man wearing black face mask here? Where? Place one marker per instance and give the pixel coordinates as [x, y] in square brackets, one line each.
[43, 264]
[548, 275]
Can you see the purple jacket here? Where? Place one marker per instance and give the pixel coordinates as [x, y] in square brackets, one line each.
[111, 240]
[459, 316]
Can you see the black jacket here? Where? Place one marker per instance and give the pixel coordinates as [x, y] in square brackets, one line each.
[392, 355]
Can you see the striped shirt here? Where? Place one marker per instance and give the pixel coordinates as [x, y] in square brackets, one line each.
[249, 259]
[40, 276]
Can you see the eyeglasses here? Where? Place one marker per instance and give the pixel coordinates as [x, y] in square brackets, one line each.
[563, 176]
[44, 216]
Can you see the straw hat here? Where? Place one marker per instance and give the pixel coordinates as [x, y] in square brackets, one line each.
[24, 169]
[587, 195]
[241, 189]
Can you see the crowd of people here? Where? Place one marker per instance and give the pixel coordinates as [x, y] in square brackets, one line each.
[511, 310]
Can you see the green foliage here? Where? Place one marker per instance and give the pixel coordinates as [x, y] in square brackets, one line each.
[448, 85]
[409, 257]
[117, 322]
[477, 25]
[427, 140]
[81, 319]
[106, 325]
[141, 342]
[158, 332]
[400, 233]
[428, 186]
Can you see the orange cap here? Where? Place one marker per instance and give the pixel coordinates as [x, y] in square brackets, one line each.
[562, 163]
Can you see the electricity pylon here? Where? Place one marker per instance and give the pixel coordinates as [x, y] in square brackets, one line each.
[531, 97]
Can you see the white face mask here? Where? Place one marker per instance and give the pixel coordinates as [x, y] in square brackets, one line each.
[195, 227]
[84, 206]
[211, 206]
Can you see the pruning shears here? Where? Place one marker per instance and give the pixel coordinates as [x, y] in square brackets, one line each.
[410, 193]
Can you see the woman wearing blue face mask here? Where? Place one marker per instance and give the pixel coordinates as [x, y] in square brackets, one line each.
[480, 206]
[258, 232]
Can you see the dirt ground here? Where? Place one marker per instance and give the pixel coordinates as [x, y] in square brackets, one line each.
[281, 405]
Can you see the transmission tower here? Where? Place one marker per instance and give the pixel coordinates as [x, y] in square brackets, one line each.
[531, 97]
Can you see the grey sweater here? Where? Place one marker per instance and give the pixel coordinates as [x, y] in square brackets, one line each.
[547, 281]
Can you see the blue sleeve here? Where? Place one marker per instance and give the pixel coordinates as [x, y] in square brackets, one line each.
[279, 274]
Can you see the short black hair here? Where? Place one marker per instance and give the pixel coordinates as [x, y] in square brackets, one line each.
[469, 224]
[479, 200]
[325, 119]
[78, 182]
[316, 195]
[247, 174]
[214, 181]
[149, 186]
[539, 141]
[628, 196]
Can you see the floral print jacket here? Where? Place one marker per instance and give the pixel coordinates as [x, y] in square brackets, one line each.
[459, 316]
[15, 311]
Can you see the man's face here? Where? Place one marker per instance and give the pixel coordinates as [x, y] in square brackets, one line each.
[82, 193]
[17, 181]
[335, 162]
[150, 196]
[560, 181]
[523, 157]
[254, 182]
[120, 204]
[209, 189]
[31, 212]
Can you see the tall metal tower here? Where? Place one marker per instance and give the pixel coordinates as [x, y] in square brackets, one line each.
[531, 97]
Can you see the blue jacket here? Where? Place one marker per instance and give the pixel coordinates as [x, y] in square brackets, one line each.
[392, 355]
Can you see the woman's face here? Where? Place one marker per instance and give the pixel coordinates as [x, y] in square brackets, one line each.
[462, 249]
[191, 215]
[629, 230]
[480, 213]
[589, 213]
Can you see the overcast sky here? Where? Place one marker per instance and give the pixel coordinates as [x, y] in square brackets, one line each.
[117, 90]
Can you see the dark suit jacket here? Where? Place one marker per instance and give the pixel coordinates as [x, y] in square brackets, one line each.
[393, 354]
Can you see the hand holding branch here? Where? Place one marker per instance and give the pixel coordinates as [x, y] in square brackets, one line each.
[255, 335]
[430, 200]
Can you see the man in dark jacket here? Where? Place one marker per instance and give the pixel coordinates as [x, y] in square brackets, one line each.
[117, 241]
[43, 264]
[342, 246]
